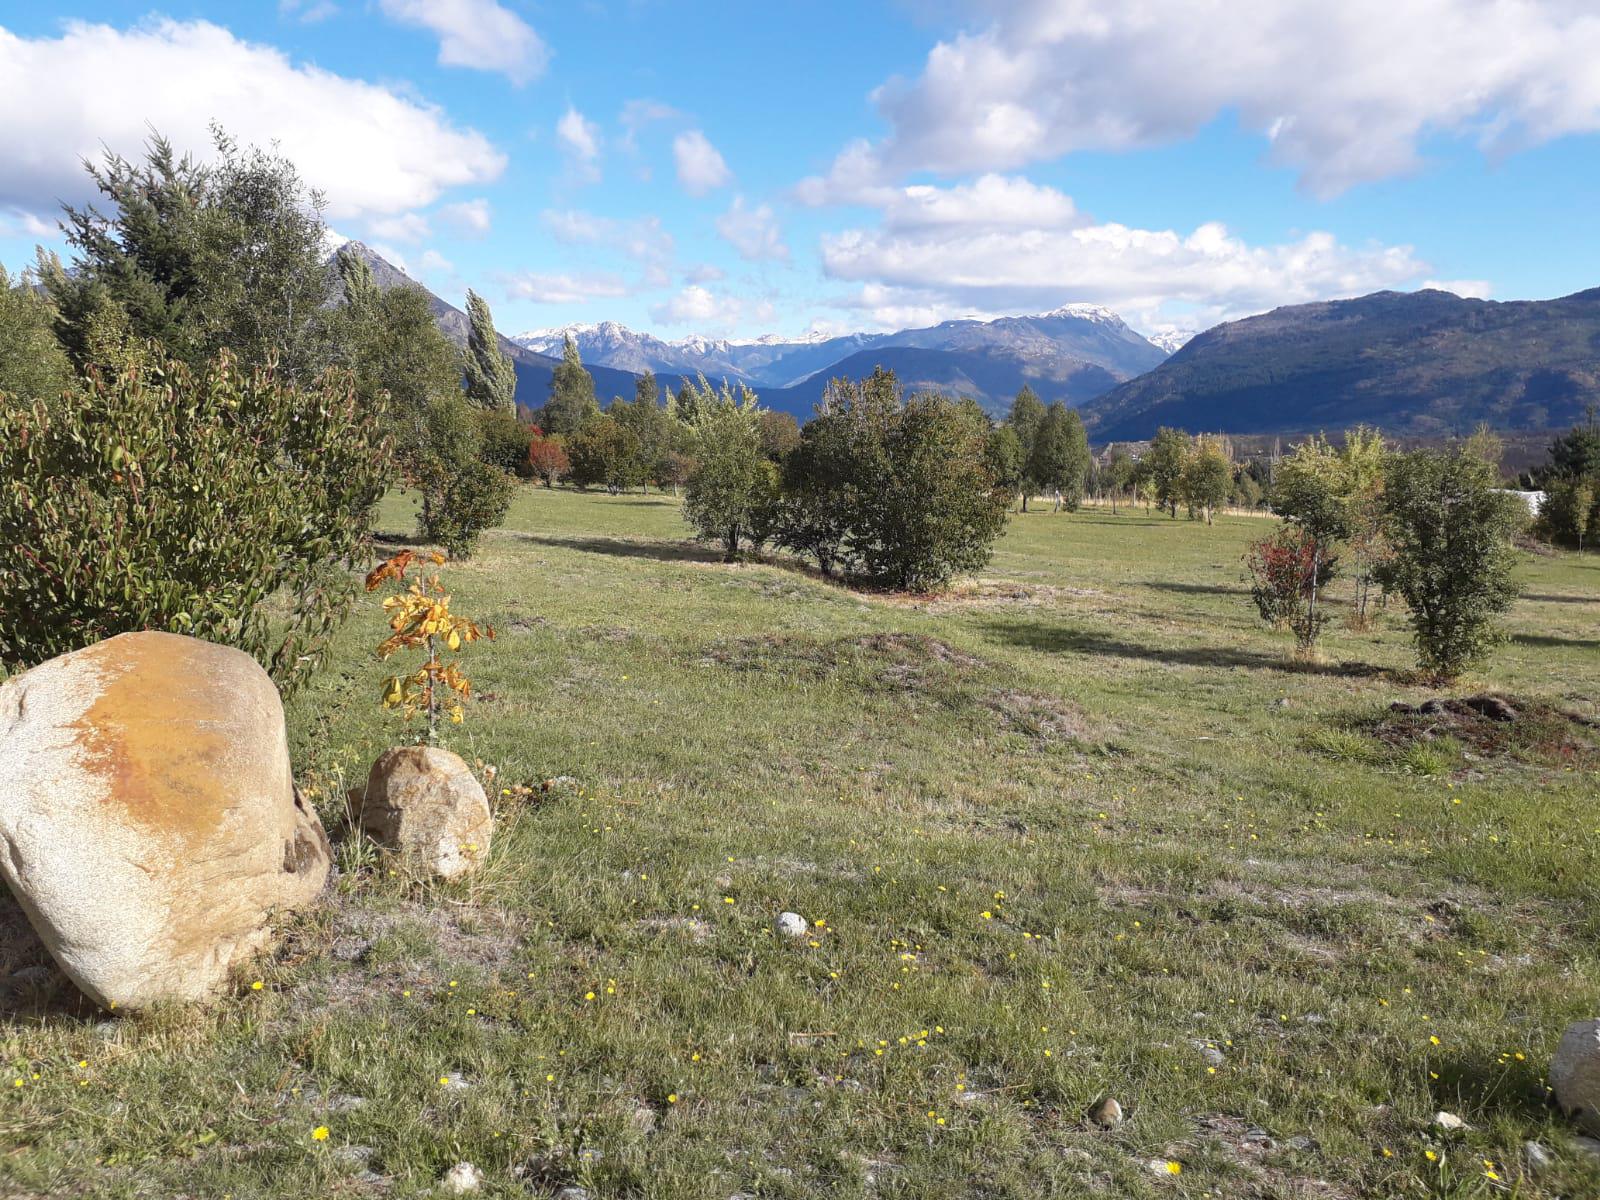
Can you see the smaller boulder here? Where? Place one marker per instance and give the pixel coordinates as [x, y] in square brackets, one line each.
[1575, 1074]
[423, 803]
[1107, 1113]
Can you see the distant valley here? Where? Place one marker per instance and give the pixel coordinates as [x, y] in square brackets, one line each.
[1421, 364]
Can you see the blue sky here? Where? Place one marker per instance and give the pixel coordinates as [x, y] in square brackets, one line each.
[738, 169]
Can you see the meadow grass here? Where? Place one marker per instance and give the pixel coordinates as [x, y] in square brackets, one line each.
[1078, 828]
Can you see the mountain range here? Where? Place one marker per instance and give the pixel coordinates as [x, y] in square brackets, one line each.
[1421, 364]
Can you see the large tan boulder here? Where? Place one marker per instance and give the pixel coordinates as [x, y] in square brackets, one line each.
[424, 803]
[149, 824]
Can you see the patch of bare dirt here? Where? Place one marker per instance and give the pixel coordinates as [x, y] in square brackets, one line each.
[1494, 726]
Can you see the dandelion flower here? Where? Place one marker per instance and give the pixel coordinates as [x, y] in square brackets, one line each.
[319, 1134]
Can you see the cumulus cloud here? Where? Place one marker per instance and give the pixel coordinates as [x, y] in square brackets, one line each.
[1343, 93]
[480, 34]
[579, 138]
[642, 238]
[705, 309]
[936, 254]
[470, 217]
[636, 115]
[372, 150]
[436, 264]
[563, 288]
[700, 165]
[402, 227]
[753, 232]
[17, 223]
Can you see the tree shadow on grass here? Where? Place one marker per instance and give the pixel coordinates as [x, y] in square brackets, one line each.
[1196, 589]
[625, 548]
[1552, 598]
[1550, 641]
[1061, 640]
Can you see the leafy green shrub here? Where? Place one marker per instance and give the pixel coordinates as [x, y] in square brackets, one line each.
[506, 441]
[908, 482]
[461, 494]
[605, 452]
[1449, 531]
[732, 492]
[225, 505]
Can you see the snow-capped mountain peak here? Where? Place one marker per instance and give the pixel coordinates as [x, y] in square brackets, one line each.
[1086, 312]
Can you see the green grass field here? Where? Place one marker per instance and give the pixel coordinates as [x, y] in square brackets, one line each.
[1079, 829]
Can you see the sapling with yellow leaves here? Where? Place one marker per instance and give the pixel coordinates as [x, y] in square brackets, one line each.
[420, 618]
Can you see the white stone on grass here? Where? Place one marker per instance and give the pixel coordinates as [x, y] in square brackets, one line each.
[791, 925]
[462, 1179]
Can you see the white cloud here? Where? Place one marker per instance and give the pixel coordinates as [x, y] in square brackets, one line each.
[434, 263]
[636, 114]
[470, 217]
[17, 223]
[753, 232]
[642, 238]
[1474, 289]
[401, 227]
[1344, 93]
[307, 12]
[372, 150]
[704, 309]
[700, 166]
[579, 136]
[580, 142]
[705, 273]
[480, 34]
[935, 256]
[558, 288]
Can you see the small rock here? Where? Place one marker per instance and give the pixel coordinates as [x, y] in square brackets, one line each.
[1587, 1145]
[1107, 1114]
[425, 803]
[1259, 1138]
[573, 1193]
[973, 1099]
[454, 1081]
[1302, 1142]
[1538, 1158]
[461, 1179]
[1448, 1121]
[643, 1119]
[1575, 1074]
[353, 1156]
[791, 925]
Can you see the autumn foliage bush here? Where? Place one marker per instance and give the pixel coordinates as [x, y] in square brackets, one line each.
[1286, 568]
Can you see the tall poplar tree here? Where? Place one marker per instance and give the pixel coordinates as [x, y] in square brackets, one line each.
[491, 379]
